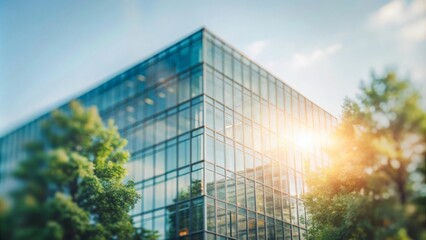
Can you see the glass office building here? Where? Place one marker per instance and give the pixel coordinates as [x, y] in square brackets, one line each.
[219, 146]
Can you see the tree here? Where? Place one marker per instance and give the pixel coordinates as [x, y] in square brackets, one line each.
[72, 181]
[375, 186]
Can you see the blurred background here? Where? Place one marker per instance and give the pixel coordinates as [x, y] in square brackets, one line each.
[51, 51]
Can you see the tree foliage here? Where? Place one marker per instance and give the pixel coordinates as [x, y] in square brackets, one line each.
[72, 182]
[375, 186]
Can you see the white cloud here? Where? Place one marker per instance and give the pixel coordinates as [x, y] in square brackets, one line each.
[301, 60]
[406, 20]
[398, 12]
[414, 32]
[390, 13]
[255, 48]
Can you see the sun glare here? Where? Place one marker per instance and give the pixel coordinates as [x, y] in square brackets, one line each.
[304, 140]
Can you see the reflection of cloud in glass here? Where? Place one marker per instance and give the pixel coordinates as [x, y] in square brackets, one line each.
[149, 101]
[130, 109]
[141, 77]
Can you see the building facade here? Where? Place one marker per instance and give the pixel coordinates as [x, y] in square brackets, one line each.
[219, 146]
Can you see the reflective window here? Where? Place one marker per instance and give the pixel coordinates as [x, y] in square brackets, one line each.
[171, 158]
[230, 160]
[160, 195]
[220, 186]
[197, 216]
[171, 191]
[218, 87]
[242, 227]
[197, 148]
[184, 153]
[197, 116]
[160, 162]
[196, 183]
[219, 120]
[196, 83]
[210, 149]
[220, 153]
[148, 166]
[230, 191]
[183, 219]
[184, 182]
[209, 116]
[184, 121]
[210, 183]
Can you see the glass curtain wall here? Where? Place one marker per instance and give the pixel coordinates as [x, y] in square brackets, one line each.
[259, 136]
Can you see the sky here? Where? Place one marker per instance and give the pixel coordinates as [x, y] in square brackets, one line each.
[52, 51]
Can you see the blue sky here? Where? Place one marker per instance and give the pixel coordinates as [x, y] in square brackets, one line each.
[51, 51]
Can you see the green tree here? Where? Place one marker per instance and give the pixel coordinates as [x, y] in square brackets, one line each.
[375, 186]
[72, 181]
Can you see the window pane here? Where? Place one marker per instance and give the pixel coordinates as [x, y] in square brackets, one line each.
[228, 64]
[220, 186]
[196, 183]
[242, 227]
[209, 83]
[196, 83]
[184, 121]
[219, 120]
[250, 198]
[259, 200]
[210, 183]
[197, 116]
[171, 158]
[220, 153]
[160, 162]
[148, 194]
[183, 219]
[183, 62]
[218, 87]
[241, 195]
[210, 149]
[159, 195]
[171, 126]
[184, 153]
[230, 191]
[209, 116]
[209, 52]
[238, 100]
[183, 187]
[196, 53]
[232, 224]
[252, 228]
[229, 127]
[211, 218]
[218, 58]
[239, 159]
[197, 149]
[148, 166]
[171, 191]
[228, 94]
[197, 216]
[221, 221]
[237, 71]
[230, 160]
